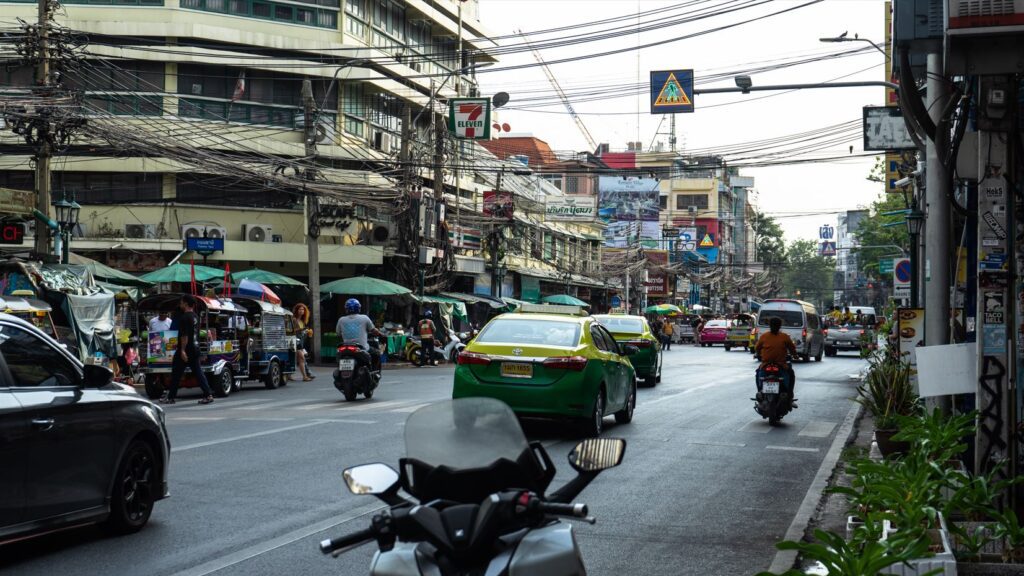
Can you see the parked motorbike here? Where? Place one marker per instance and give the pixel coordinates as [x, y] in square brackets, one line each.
[449, 352]
[478, 497]
[356, 374]
[773, 400]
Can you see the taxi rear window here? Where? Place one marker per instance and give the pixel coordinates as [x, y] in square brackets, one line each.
[530, 332]
[790, 318]
[623, 325]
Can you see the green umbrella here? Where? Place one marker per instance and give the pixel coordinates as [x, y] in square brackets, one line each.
[363, 286]
[182, 273]
[663, 309]
[563, 299]
[265, 277]
[103, 272]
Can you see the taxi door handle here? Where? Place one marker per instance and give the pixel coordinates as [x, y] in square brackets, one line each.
[42, 424]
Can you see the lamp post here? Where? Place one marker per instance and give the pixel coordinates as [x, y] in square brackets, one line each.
[843, 38]
[67, 218]
[915, 218]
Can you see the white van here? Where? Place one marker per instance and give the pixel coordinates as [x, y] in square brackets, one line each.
[800, 320]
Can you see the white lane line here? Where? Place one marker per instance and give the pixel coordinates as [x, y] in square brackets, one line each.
[196, 418]
[364, 406]
[792, 449]
[317, 406]
[412, 408]
[710, 443]
[786, 559]
[273, 405]
[759, 426]
[817, 429]
[676, 395]
[267, 419]
[225, 403]
[346, 421]
[244, 436]
[274, 543]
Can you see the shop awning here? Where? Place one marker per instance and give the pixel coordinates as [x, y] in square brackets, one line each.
[458, 306]
[475, 299]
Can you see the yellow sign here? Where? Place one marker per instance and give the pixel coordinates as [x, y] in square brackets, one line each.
[672, 94]
[707, 242]
[16, 201]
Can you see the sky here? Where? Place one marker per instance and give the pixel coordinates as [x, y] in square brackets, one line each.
[803, 196]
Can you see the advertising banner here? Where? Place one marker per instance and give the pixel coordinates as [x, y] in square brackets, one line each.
[498, 204]
[576, 208]
[630, 199]
[910, 333]
[657, 279]
[162, 346]
[623, 234]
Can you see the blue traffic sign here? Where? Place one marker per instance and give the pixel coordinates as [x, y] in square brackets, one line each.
[902, 271]
[828, 248]
[671, 91]
[201, 245]
[616, 301]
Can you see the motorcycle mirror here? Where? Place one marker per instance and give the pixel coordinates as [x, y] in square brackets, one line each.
[370, 479]
[596, 454]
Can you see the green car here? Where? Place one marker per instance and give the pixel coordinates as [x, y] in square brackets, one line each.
[635, 330]
[548, 365]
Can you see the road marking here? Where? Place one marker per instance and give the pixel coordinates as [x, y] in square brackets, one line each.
[791, 448]
[412, 408]
[676, 395]
[226, 403]
[317, 406]
[364, 406]
[346, 421]
[273, 404]
[266, 419]
[245, 436]
[786, 559]
[709, 443]
[759, 426]
[274, 543]
[196, 418]
[817, 429]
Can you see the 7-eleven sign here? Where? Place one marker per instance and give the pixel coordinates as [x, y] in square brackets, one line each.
[470, 118]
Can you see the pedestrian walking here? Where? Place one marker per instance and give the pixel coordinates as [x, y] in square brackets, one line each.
[697, 327]
[302, 332]
[187, 353]
[667, 330]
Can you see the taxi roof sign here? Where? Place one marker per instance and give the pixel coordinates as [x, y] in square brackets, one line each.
[552, 309]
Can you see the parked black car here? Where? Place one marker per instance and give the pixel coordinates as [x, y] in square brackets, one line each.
[75, 447]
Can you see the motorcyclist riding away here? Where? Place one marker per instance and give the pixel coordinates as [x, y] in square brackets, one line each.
[356, 328]
[772, 348]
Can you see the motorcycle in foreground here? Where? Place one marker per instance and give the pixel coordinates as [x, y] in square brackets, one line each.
[355, 374]
[479, 497]
[773, 400]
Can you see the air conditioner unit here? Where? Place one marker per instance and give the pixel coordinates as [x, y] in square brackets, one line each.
[140, 231]
[380, 234]
[216, 232]
[257, 233]
[692, 210]
[193, 231]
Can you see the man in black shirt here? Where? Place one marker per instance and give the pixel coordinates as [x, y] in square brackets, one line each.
[187, 353]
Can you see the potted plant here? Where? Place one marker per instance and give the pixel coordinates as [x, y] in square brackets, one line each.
[888, 393]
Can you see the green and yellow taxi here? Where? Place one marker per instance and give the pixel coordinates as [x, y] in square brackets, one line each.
[636, 331]
[549, 361]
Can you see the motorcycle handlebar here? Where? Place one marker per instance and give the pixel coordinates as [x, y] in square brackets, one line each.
[555, 509]
[332, 545]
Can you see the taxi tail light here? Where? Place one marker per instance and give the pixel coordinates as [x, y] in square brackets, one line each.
[473, 358]
[804, 334]
[574, 363]
[642, 343]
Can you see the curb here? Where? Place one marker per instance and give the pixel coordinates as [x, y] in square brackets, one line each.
[786, 559]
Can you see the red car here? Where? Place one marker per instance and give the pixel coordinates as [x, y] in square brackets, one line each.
[714, 332]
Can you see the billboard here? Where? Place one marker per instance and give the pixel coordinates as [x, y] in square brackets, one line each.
[657, 279]
[498, 204]
[623, 234]
[884, 129]
[576, 208]
[628, 198]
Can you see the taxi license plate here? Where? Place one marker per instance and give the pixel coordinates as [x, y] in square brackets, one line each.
[347, 364]
[770, 387]
[516, 370]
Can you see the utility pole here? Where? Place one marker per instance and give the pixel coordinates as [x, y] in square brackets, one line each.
[672, 132]
[312, 213]
[44, 150]
[938, 184]
[496, 234]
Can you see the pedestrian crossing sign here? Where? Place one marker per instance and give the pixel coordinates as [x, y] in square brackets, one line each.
[671, 91]
[707, 242]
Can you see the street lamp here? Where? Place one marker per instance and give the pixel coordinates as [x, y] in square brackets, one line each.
[843, 38]
[67, 219]
[915, 218]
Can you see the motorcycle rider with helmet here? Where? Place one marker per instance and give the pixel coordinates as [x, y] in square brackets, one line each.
[772, 348]
[355, 328]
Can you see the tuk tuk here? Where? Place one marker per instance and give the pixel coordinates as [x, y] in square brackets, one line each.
[740, 332]
[223, 326]
[269, 352]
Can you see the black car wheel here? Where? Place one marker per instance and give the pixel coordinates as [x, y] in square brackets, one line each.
[134, 493]
[224, 383]
[625, 416]
[273, 378]
[593, 427]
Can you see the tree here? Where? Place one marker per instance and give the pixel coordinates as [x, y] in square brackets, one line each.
[808, 275]
[881, 230]
[771, 248]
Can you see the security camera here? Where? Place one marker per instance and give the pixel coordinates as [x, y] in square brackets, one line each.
[905, 182]
[744, 82]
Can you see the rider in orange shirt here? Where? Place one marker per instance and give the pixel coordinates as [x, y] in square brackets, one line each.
[773, 348]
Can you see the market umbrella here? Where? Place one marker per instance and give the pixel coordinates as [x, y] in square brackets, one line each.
[257, 290]
[103, 272]
[265, 277]
[564, 299]
[182, 273]
[363, 286]
[663, 309]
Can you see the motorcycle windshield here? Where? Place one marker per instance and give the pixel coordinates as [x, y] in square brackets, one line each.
[464, 433]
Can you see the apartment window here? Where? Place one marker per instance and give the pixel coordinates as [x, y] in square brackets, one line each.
[117, 76]
[355, 18]
[684, 201]
[549, 246]
[108, 187]
[554, 179]
[355, 109]
[208, 189]
[663, 202]
[388, 23]
[286, 13]
[385, 111]
[572, 185]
